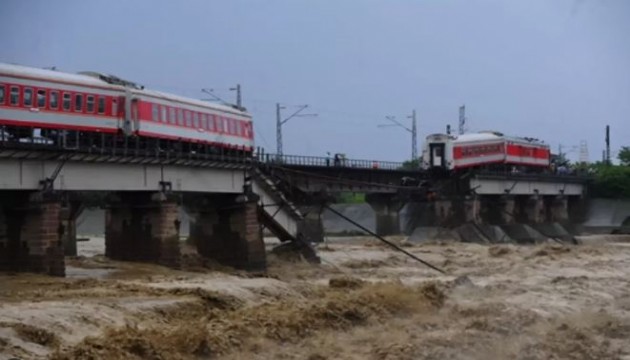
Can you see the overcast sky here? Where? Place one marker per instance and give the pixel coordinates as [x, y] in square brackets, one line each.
[556, 70]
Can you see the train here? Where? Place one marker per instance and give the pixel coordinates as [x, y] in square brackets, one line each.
[49, 107]
[487, 150]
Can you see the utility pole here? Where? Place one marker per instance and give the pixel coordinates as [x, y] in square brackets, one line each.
[413, 131]
[584, 159]
[414, 136]
[280, 122]
[239, 101]
[607, 144]
[462, 119]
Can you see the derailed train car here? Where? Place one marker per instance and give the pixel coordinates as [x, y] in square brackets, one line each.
[51, 106]
[484, 150]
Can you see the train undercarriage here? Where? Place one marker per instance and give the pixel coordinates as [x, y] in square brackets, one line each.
[113, 143]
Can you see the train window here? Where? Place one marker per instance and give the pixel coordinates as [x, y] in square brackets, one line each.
[226, 128]
[156, 112]
[238, 128]
[205, 119]
[53, 102]
[28, 97]
[195, 117]
[188, 118]
[89, 106]
[101, 104]
[180, 117]
[2, 93]
[164, 113]
[66, 101]
[15, 95]
[171, 116]
[78, 102]
[114, 107]
[41, 98]
[211, 122]
[219, 124]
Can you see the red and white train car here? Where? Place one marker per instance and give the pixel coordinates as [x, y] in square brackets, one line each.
[95, 103]
[483, 150]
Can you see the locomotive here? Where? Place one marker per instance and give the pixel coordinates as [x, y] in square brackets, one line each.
[488, 150]
[73, 110]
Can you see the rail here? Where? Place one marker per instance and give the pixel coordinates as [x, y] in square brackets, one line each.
[98, 144]
[320, 161]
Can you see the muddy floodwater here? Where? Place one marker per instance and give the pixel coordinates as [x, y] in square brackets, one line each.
[365, 301]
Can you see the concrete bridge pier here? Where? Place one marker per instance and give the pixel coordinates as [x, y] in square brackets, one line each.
[386, 208]
[497, 209]
[533, 209]
[142, 226]
[558, 208]
[227, 230]
[507, 205]
[577, 208]
[473, 209]
[445, 212]
[30, 234]
[418, 214]
[312, 226]
[69, 213]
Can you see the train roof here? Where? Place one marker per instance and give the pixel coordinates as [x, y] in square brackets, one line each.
[91, 78]
[483, 136]
[494, 136]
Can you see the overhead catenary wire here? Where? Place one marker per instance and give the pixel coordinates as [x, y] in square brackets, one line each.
[391, 244]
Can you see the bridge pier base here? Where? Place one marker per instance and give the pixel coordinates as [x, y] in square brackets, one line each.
[69, 214]
[419, 214]
[386, 208]
[497, 209]
[558, 209]
[508, 208]
[30, 232]
[472, 209]
[534, 209]
[577, 207]
[444, 212]
[312, 226]
[143, 227]
[228, 231]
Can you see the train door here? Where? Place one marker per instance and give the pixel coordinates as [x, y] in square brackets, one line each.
[130, 113]
[436, 152]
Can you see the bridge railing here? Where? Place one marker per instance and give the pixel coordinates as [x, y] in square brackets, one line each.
[322, 161]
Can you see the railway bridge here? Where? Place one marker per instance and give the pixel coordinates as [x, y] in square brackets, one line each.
[43, 189]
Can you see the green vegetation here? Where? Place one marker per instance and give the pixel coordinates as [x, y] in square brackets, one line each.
[624, 156]
[611, 181]
[411, 164]
[351, 198]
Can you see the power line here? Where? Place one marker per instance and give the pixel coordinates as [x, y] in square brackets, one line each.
[413, 130]
[280, 122]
